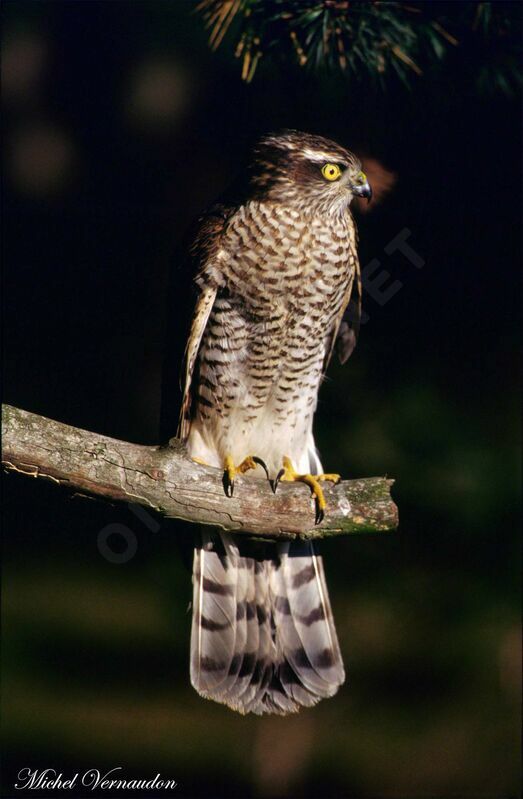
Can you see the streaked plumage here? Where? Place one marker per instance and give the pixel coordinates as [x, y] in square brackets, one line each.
[275, 275]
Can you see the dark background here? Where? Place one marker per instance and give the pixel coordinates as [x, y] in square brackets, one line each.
[119, 127]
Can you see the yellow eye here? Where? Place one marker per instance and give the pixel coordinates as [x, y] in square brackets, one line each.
[331, 171]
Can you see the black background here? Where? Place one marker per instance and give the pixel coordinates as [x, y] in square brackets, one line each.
[95, 653]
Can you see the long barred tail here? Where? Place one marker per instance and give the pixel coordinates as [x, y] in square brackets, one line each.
[263, 638]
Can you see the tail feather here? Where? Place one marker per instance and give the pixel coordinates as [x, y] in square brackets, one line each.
[266, 653]
[230, 689]
[295, 651]
[215, 599]
[246, 641]
[263, 638]
[276, 699]
[312, 616]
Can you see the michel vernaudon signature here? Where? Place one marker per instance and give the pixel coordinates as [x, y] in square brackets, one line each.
[48, 779]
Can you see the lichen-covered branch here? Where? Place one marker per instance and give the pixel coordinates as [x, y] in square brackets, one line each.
[168, 482]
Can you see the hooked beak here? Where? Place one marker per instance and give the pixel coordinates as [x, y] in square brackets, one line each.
[361, 187]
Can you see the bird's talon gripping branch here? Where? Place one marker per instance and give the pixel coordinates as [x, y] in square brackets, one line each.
[288, 473]
[230, 471]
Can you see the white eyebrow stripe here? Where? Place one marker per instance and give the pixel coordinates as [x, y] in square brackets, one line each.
[285, 144]
[315, 155]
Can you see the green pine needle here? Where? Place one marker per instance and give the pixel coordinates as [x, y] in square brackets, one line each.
[373, 40]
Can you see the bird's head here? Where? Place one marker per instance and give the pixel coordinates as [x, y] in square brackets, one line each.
[306, 172]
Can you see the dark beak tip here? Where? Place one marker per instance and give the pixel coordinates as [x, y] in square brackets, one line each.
[363, 191]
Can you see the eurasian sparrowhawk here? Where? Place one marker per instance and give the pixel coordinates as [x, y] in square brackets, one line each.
[275, 272]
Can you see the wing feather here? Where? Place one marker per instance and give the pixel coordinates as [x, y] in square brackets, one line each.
[202, 312]
[345, 328]
[204, 257]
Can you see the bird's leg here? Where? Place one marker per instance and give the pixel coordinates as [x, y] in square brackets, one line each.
[230, 471]
[289, 473]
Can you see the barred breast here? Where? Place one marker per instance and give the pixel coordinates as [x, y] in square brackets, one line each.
[284, 278]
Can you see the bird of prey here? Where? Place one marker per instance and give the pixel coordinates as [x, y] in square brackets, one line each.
[275, 269]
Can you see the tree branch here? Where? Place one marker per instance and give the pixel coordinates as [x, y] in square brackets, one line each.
[167, 481]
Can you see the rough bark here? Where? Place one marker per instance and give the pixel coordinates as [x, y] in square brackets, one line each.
[166, 481]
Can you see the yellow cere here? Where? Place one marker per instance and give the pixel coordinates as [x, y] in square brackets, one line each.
[331, 171]
[362, 177]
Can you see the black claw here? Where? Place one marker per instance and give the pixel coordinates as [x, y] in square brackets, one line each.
[320, 515]
[228, 485]
[278, 478]
[262, 464]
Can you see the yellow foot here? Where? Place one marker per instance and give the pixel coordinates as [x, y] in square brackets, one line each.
[200, 461]
[230, 471]
[289, 473]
